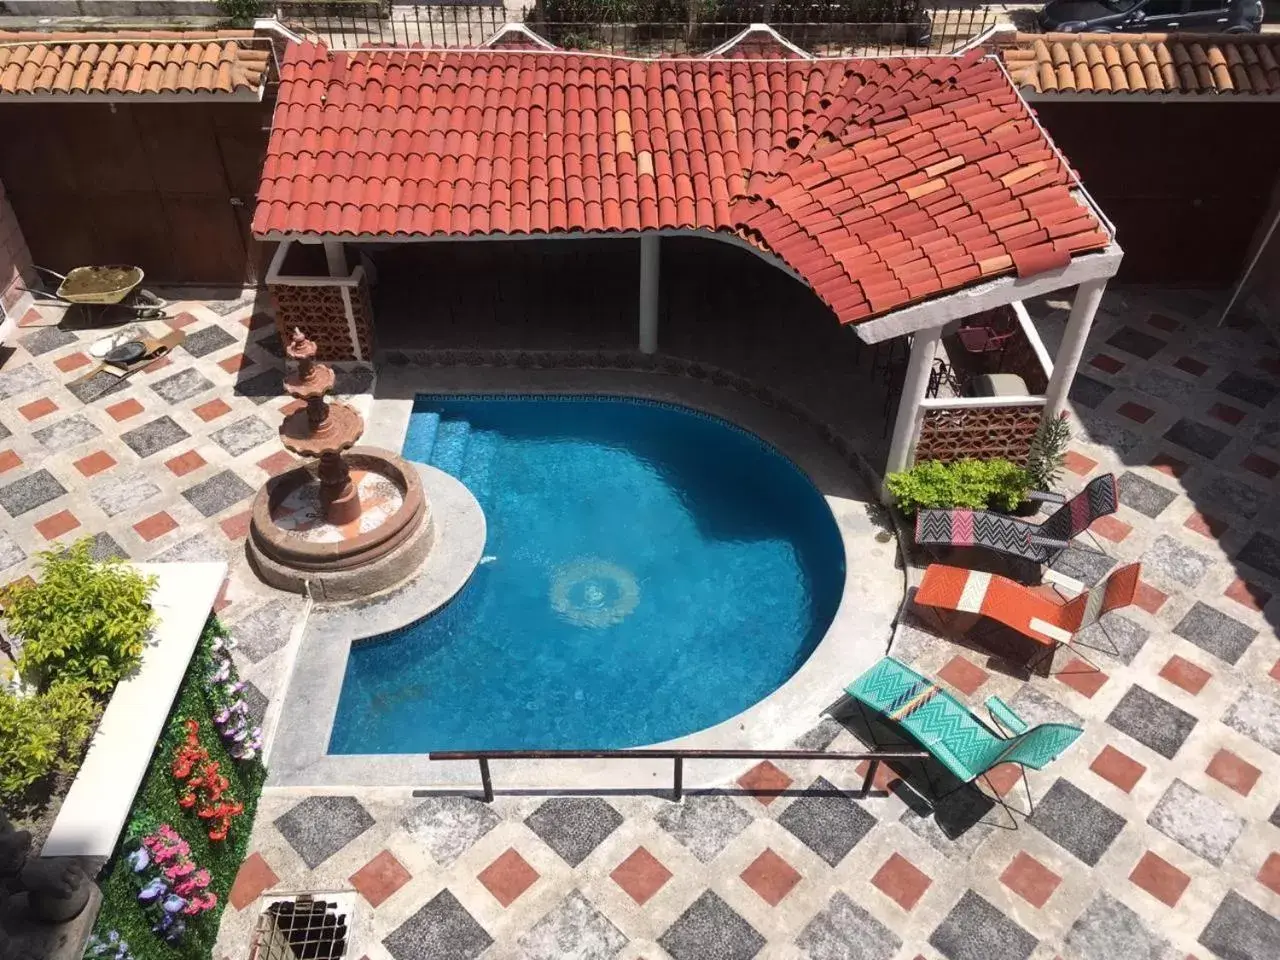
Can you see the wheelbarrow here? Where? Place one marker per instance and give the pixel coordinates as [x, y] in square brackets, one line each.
[99, 289]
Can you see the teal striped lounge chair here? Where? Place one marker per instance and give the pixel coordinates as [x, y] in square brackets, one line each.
[952, 734]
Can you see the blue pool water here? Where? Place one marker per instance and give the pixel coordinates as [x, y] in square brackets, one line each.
[649, 572]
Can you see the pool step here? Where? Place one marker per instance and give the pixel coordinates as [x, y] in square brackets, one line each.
[430, 426]
[482, 446]
[450, 448]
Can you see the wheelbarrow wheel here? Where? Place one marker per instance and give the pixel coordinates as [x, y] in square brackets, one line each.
[148, 299]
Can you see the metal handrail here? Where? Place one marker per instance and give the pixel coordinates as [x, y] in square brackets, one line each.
[874, 758]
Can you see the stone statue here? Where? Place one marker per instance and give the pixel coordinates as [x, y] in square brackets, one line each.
[56, 890]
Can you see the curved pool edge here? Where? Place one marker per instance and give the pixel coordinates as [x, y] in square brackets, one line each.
[859, 634]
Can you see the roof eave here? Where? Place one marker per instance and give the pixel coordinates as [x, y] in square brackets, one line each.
[243, 95]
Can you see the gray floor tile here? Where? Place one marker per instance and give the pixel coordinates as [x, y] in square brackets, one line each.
[319, 827]
[711, 930]
[821, 736]
[219, 492]
[182, 385]
[827, 821]
[97, 386]
[1085, 564]
[151, 438]
[1108, 930]
[194, 549]
[5, 432]
[1088, 392]
[46, 339]
[32, 491]
[956, 826]
[266, 629]
[441, 930]
[573, 929]
[1240, 930]
[449, 826]
[705, 823]
[20, 380]
[1152, 721]
[842, 930]
[1212, 630]
[1076, 822]
[67, 433]
[1134, 341]
[1228, 496]
[1257, 715]
[243, 435]
[1262, 552]
[1142, 495]
[1252, 390]
[1198, 822]
[115, 494]
[262, 387]
[1198, 438]
[1172, 560]
[574, 826]
[1036, 707]
[1175, 390]
[10, 552]
[206, 340]
[1106, 432]
[976, 930]
[104, 547]
[1115, 635]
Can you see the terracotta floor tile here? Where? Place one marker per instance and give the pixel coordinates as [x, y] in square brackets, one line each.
[1275, 670]
[1081, 677]
[1185, 674]
[55, 526]
[1160, 878]
[38, 408]
[1136, 412]
[180, 320]
[1030, 879]
[9, 460]
[156, 525]
[764, 781]
[31, 318]
[1004, 777]
[885, 776]
[157, 364]
[278, 462]
[771, 877]
[184, 463]
[1149, 598]
[1161, 322]
[380, 878]
[1109, 528]
[1191, 365]
[901, 881]
[1247, 594]
[232, 364]
[124, 409]
[1169, 466]
[1261, 466]
[1238, 774]
[71, 362]
[963, 675]
[237, 527]
[1205, 525]
[1117, 768]
[1226, 413]
[212, 410]
[1107, 363]
[95, 463]
[1078, 463]
[1269, 875]
[641, 875]
[254, 878]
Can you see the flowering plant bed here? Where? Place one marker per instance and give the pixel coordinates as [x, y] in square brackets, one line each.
[193, 857]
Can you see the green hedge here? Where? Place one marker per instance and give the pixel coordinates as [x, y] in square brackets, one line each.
[157, 803]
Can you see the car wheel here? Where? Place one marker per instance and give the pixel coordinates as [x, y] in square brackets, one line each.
[1243, 28]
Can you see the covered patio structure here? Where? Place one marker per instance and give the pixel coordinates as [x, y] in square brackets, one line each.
[906, 195]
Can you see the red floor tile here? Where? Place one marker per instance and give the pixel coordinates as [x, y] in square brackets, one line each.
[232, 364]
[1135, 411]
[1247, 594]
[30, 318]
[508, 877]
[1109, 528]
[9, 460]
[184, 463]
[1104, 362]
[1117, 768]
[180, 320]
[221, 602]
[764, 781]
[95, 463]
[212, 410]
[1261, 466]
[1205, 525]
[1185, 674]
[901, 881]
[1004, 777]
[1269, 875]
[1169, 466]
[255, 878]
[38, 408]
[1191, 365]
[1161, 322]
[1030, 879]
[641, 875]
[1081, 677]
[1275, 671]
[1160, 878]
[1078, 463]
[963, 675]
[156, 525]
[380, 878]
[71, 362]
[1238, 774]
[278, 462]
[55, 526]
[157, 364]
[885, 776]
[124, 409]
[237, 527]
[1149, 598]
[771, 877]
[1226, 413]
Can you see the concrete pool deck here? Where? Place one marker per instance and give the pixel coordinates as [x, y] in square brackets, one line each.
[858, 635]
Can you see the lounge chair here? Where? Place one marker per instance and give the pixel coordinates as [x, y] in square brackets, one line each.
[953, 735]
[1021, 608]
[1038, 543]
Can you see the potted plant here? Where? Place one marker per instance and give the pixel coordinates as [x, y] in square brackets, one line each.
[1048, 453]
[969, 484]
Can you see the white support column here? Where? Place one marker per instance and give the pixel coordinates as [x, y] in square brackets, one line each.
[923, 347]
[1079, 323]
[649, 262]
[335, 255]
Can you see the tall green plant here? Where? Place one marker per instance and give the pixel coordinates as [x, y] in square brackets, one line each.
[970, 484]
[81, 621]
[1048, 453]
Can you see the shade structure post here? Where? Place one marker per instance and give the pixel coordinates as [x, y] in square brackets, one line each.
[649, 263]
[1083, 309]
[923, 346]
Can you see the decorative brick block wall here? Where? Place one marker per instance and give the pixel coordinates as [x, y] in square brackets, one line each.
[14, 255]
[982, 433]
[321, 313]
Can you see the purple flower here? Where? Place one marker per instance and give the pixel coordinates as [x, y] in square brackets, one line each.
[173, 904]
[139, 860]
[153, 891]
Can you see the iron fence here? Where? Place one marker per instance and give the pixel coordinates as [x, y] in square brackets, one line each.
[837, 28]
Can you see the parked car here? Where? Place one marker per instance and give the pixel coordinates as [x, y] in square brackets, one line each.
[1152, 16]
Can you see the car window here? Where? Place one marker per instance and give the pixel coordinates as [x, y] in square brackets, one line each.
[1162, 8]
[1207, 6]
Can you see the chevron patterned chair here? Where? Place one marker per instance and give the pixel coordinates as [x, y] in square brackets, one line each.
[952, 734]
[1037, 543]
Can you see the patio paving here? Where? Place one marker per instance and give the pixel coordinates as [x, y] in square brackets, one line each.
[1157, 835]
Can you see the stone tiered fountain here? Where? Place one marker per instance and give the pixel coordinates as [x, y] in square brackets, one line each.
[350, 523]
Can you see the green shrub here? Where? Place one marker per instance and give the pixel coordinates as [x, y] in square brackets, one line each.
[971, 484]
[82, 620]
[42, 733]
[1048, 453]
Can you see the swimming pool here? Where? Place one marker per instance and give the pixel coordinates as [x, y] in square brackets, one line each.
[650, 571]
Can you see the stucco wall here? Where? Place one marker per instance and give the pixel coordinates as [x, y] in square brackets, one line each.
[14, 255]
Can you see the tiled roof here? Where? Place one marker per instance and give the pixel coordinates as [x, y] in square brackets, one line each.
[131, 62]
[1145, 62]
[879, 181]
